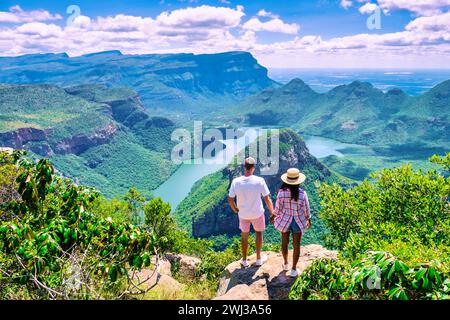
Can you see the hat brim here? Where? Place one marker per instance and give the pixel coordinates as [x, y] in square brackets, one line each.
[301, 178]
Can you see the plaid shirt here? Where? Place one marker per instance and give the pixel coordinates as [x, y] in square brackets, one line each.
[287, 209]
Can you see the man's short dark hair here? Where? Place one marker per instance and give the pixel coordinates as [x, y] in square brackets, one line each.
[248, 166]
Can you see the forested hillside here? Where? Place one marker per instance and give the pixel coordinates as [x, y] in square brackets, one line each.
[100, 136]
[356, 113]
[175, 84]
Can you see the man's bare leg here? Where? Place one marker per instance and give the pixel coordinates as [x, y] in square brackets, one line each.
[244, 244]
[259, 244]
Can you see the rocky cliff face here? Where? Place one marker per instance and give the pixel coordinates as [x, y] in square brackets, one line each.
[79, 143]
[19, 138]
[37, 140]
[218, 217]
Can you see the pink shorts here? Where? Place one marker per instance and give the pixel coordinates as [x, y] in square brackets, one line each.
[259, 224]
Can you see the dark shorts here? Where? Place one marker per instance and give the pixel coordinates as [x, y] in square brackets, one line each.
[294, 227]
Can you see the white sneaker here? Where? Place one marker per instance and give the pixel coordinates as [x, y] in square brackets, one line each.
[261, 261]
[294, 273]
[244, 263]
[286, 267]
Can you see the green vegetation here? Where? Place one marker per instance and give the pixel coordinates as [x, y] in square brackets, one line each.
[52, 247]
[115, 167]
[395, 127]
[99, 136]
[204, 194]
[393, 231]
[43, 106]
[179, 85]
[59, 240]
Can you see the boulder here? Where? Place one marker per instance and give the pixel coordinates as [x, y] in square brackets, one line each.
[158, 281]
[164, 266]
[186, 265]
[239, 292]
[268, 282]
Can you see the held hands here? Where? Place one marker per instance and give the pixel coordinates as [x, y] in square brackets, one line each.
[272, 218]
[308, 224]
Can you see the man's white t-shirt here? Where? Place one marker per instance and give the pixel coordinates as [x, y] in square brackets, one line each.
[248, 191]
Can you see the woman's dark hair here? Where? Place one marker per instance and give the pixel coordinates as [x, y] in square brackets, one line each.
[294, 189]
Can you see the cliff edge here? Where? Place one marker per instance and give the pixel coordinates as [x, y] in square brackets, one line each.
[268, 282]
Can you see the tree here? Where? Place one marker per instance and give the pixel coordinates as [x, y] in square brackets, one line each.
[159, 220]
[8, 186]
[135, 202]
[52, 247]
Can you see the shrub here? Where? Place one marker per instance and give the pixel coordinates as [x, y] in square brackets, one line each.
[393, 230]
[378, 275]
[53, 247]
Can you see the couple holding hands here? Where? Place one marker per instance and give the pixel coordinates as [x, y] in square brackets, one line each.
[290, 215]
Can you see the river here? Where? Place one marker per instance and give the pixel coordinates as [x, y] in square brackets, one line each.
[178, 186]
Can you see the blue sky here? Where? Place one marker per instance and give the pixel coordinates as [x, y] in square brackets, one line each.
[288, 33]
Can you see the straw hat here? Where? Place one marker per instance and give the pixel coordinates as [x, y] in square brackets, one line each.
[293, 176]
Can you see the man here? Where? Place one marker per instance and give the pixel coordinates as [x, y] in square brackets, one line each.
[249, 189]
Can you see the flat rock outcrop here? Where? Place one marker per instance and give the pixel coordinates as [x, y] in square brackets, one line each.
[186, 265]
[268, 282]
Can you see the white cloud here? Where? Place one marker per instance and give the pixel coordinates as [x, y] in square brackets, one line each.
[203, 16]
[267, 14]
[40, 29]
[205, 29]
[122, 23]
[346, 4]
[17, 15]
[273, 25]
[419, 7]
[368, 8]
[434, 24]
[81, 22]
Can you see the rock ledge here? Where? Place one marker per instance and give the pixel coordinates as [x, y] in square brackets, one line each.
[268, 282]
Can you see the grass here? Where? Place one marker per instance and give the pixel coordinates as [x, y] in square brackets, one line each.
[13, 125]
[193, 290]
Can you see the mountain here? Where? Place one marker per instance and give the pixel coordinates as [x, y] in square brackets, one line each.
[171, 83]
[101, 136]
[205, 211]
[294, 99]
[355, 113]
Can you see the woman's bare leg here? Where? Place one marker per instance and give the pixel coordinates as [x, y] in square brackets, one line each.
[296, 239]
[285, 246]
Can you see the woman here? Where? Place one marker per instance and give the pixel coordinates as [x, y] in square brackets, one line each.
[291, 215]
